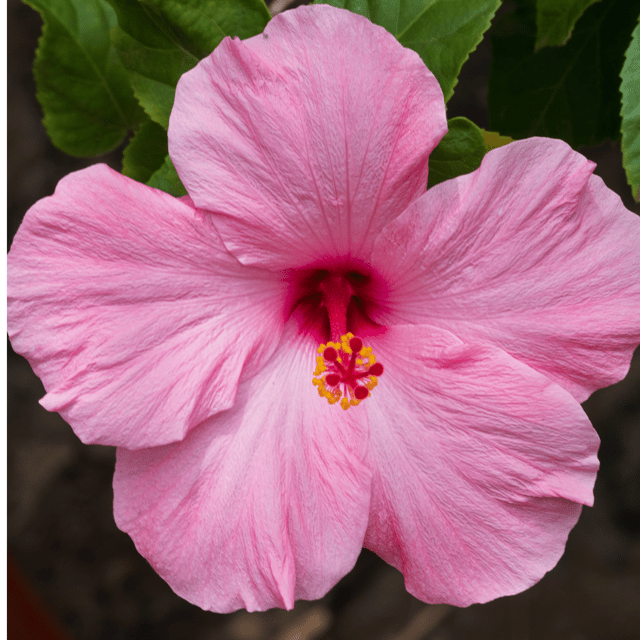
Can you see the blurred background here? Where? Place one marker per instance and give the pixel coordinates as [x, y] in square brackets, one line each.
[74, 575]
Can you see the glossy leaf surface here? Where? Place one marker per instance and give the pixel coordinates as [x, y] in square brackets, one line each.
[568, 92]
[555, 20]
[459, 152]
[146, 152]
[81, 84]
[166, 179]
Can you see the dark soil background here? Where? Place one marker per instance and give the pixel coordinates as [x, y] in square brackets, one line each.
[65, 548]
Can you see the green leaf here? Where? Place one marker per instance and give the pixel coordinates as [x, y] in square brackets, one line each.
[152, 54]
[442, 32]
[146, 46]
[159, 40]
[555, 20]
[166, 178]
[155, 97]
[446, 33]
[81, 84]
[630, 89]
[459, 152]
[201, 25]
[569, 92]
[153, 73]
[146, 152]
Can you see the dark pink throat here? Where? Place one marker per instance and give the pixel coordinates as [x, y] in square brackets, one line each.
[336, 301]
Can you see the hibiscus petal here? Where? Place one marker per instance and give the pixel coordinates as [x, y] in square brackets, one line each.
[532, 253]
[308, 138]
[262, 504]
[132, 313]
[478, 463]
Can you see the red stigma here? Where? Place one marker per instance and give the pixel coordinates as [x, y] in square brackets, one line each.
[330, 354]
[376, 369]
[361, 393]
[332, 379]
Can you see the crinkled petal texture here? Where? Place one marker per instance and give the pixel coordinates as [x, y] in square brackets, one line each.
[262, 504]
[129, 308]
[531, 252]
[479, 466]
[306, 140]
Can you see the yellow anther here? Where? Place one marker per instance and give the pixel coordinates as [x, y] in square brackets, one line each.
[344, 403]
[321, 367]
[366, 351]
[321, 348]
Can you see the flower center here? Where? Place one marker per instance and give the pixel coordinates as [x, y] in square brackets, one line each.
[346, 371]
[334, 302]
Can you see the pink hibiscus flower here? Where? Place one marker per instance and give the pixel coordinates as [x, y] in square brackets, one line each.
[189, 332]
